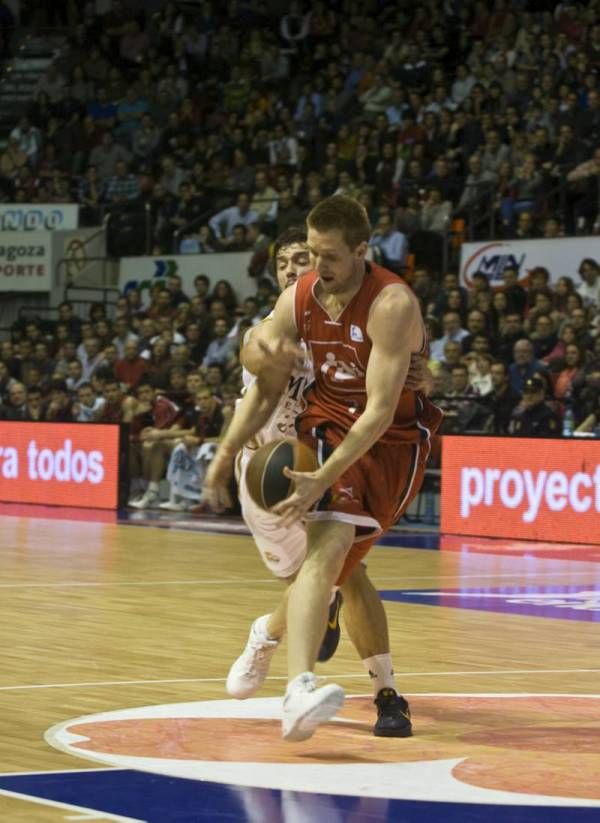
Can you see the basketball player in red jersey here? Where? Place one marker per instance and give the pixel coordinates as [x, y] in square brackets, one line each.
[361, 323]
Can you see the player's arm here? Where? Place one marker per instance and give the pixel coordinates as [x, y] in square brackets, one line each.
[395, 330]
[252, 355]
[281, 352]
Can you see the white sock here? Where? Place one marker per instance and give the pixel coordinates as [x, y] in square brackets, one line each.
[153, 486]
[381, 672]
[334, 591]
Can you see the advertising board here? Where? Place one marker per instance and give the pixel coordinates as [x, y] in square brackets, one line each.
[561, 256]
[62, 464]
[532, 489]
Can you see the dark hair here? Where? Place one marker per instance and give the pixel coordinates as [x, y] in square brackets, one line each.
[588, 261]
[295, 234]
[344, 214]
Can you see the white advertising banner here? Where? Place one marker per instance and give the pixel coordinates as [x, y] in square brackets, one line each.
[142, 272]
[38, 216]
[561, 256]
[25, 261]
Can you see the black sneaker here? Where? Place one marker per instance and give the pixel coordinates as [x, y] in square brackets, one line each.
[393, 715]
[332, 633]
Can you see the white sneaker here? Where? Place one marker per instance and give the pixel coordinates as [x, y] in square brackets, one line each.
[149, 500]
[174, 506]
[249, 671]
[305, 707]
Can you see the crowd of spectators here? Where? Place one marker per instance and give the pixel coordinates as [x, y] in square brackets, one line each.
[168, 367]
[240, 117]
[516, 360]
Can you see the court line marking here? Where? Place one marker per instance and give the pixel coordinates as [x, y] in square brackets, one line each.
[94, 684]
[90, 814]
[272, 580]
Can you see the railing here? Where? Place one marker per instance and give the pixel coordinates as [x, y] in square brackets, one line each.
[206, 216]
[552, 200]
[107, 296]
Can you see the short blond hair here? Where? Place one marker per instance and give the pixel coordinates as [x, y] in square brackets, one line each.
[344, 214]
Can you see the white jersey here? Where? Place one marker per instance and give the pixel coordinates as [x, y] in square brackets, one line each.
[282, 548]
[282, 422]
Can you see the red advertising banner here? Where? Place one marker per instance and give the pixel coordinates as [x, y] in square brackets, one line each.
[60, 464]
[530, 489]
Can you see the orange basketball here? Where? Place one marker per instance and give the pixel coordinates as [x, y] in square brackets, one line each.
[265, 479]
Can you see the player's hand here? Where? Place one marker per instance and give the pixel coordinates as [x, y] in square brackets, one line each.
[147, 434]
[308, 488]
[215, 491]
[419, 377]
[280, 358]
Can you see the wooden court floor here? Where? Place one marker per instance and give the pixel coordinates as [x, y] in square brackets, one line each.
[96, 617]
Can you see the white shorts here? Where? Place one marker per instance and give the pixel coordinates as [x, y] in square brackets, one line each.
[282, 549]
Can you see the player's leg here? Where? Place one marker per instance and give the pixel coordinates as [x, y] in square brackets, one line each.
[306, 706]
[401, 469]
[282, 551]
[367, 627]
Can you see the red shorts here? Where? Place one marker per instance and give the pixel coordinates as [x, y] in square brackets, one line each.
[372, 493]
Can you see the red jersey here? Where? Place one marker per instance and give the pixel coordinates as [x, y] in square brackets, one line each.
[340, 352]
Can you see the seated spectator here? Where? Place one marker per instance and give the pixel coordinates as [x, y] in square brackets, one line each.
[452, 331]
[203, 426]
[154, 428]
[574, 361]
[106, 156]
[112, 410]
[224, 222]
[74, 378]
[392, 243]
[29, 140]
[516, 296]
[435, 212]
[161, 306]
[460, 399]
[264, 198]
[450, 285]
[123, 187]
[89, 405]
[15, 406]
[478, 188]
[534, 417]
[494, 152]
[502, 400]
[578, 317]
[543, 337]
[102, 111]
[589, 288]
[480, 375]
[525, 364]
[131, 368]
[526, 188]
[222, 349]
[60, 407]
[476, 325]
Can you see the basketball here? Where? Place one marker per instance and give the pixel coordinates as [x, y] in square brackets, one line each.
[266, 482]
